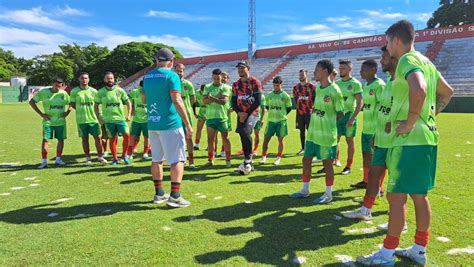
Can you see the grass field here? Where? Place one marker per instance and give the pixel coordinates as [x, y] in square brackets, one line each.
[105, 215]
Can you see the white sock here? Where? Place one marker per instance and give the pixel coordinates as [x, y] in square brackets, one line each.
[417, 249]
[305, 187]
[329, 190]
[365, 210]
[88, 158]
[387, 253]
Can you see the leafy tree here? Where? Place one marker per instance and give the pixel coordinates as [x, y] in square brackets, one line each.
[46, 67]
[7, 65]
[452, 12]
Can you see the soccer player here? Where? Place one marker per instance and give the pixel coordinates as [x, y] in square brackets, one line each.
[419, 93]
[279, 106]
[200, 116]
[351, 90]
[216, 97]
[224, 80]
[383, 140]
[166, 117]
[246, 97]
[261, 115]
[112, 99]
[322, 132]
[189, 99]
[82, 100]
[303, 94]
[371, 93]
[54, 114]
[139, 122]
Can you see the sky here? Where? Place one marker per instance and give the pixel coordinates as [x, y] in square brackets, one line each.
[30, 28]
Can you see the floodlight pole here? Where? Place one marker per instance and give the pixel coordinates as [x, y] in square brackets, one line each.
[252, 30]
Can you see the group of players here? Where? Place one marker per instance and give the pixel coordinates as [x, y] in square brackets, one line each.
[398, 131]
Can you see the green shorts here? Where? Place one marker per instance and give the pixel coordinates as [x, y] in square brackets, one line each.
[412, 169]
[258, 125]
[367, 142]
[218, 125]
[88, 128]
[321, 152]
[342, 130]
[116, 128]
[280, 129]
[58, 132]
[139, 127]
[379, 157]
[229, 122]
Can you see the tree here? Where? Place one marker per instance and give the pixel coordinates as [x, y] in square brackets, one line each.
[46, 67]
[452, 12]
[8, 64]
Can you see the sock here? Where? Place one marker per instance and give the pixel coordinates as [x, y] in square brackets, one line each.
[113, 147]
[391, 242]
[87, 152]
[196, 143]
[255, 148]
[135, 144]
[175, 189]
[418, 249]
[44, 155]
[44, 160]
[329, 181]
[191, 157]
[305, 187]
[366, 174]
[349, 163]
[387, 253]
[329, 190]
[365, 210]
[146, 146]
[368, 202]
[58, 153]
[264, 153]
[227, 155]
[337, 153]
[279, 154]
[210, 156]
[421, 238]
[382, 177]
[222, 148]
[159, 187]
[129, 150]
[125, 144]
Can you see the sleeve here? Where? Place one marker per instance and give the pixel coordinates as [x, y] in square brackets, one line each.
[205, 91]
[67, 98]
[38, 97]
[288, 103]
[72, 98]
[174, 83]
[408, 65]
[257, 95]
[356, 88]
[235, 107]
[378, 91]
[226, 91]
[124, 96]
[98, 98]
[313, 93]
[191, 90]
[294, 91]
[337, 99]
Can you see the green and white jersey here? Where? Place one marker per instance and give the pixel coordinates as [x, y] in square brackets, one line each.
[140, 111]
[263, 104]
[215, 110]
[277, 104]
[384, 106]
[84, 101]
[349, 90]
[370, 95]
[424, 132]
[112, 101]
[187, 90]
[327, 103]
[54, 105]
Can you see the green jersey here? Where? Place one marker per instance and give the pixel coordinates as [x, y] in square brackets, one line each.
[370, 96]
[54, 105]
[263, 104]
[84, 101]
[349, 90]
[112, 101]
[200, 101]
[384, 106]
[327, 103]
[187, 90]
[424, 132]
[215, 110]
[228, 88]
[277, 104]
[139, 109]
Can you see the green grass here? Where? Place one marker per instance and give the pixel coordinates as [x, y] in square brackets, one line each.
[120, 226]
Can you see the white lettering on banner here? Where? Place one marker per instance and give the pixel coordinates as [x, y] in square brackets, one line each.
[471, 28]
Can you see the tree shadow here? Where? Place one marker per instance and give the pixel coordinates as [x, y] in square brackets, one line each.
[49, 213]
[282, 233]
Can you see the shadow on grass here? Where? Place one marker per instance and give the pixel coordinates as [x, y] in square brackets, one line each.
[283, 231]
[39, 213]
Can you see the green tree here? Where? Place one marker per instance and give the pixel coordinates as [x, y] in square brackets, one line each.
[8, 63]
[46, 67]
[452, 12]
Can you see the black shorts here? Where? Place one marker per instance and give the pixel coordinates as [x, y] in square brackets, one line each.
[302, 121]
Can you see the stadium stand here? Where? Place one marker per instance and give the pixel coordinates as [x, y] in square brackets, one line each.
[450, 48]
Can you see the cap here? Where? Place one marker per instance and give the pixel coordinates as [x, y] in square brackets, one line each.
[242, 63]
[164, 54]
[58, 80]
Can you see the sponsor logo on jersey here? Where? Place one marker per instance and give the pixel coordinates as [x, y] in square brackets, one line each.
[326, 99]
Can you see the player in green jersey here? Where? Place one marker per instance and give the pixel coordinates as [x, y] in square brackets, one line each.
[419, 93]
[259, 125]
[225, 79]
[383, 141]
[351, 90]
[216, 98]
[55, 101]
[278, 103]
[139, 122]
[82, 100]
[189, 98]
[372, 90]
[321, 141]
[112, 98]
